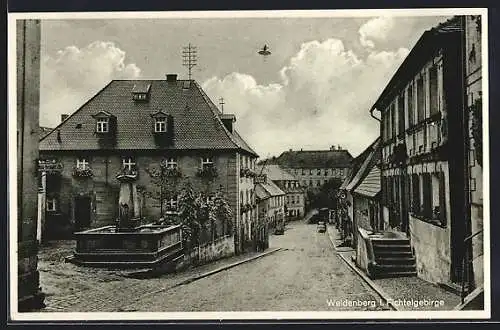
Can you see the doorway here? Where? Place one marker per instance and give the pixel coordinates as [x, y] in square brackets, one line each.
[82, 212]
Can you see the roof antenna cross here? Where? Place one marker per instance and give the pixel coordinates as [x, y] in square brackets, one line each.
[189, 58]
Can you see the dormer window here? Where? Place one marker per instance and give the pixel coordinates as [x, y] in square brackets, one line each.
[140, 92]
[105, 123]
[102, 125]
[160, 125]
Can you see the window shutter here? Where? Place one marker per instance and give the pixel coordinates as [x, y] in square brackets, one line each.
[442, 198]
[415, 194]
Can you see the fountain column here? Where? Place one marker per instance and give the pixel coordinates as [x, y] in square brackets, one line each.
[128, 203]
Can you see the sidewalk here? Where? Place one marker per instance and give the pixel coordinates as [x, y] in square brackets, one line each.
[399, 292]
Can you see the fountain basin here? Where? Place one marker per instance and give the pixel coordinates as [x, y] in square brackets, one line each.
[147, 246]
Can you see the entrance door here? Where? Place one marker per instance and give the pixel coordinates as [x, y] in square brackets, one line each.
[82, 212]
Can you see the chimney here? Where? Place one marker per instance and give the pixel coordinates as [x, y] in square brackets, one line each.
[290, 150]
[171, 77]
[64, 117]
[228, 120]
[332, 148]
[339, 147]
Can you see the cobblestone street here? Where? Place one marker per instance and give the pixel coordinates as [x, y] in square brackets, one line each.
[304, 276]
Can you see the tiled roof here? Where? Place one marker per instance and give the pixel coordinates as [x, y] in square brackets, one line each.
[268, 189]
[314, 159]
[196, 120]
[44, 131]
[370, 186]
[275, 172]
[371, 156]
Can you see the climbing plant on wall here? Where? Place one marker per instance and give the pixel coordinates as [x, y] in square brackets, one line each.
[477, 129]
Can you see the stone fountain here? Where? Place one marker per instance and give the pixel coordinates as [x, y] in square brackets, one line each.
[129, 244]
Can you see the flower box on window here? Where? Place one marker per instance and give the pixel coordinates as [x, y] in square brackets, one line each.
[128, 171]
[172, 172]
[207, 172]
[82, 172]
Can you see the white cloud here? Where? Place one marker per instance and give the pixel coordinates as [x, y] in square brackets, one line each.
[376, 29]
[323, 99]
[73, 75]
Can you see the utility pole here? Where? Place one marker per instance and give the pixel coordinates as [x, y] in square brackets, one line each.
[189, 58]
[221, 103]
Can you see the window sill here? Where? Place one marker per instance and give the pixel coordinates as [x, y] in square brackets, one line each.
[422, 218]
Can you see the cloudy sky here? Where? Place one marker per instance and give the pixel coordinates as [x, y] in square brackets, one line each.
[314, 91]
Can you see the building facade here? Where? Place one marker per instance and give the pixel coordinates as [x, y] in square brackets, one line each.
[29, 292]
[474, 88]
[424, 157]
[136, 144]
[295, 197]
[271, 201]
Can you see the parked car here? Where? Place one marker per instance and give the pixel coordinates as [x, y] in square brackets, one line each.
[321, 227]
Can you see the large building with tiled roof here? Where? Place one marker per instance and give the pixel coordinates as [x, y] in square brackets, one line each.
[289, 183]
[135, 126]
[314, 168]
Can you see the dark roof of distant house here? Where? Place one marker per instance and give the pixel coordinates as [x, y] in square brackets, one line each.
[196, 120]
[275, 172]
[428, 43]
[363, 164]
[267, 189]
[314, 159]
[44, 131]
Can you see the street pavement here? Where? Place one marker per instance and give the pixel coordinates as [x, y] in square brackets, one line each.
[305, 275]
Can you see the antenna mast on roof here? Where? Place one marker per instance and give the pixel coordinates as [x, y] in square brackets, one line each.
[189, 57]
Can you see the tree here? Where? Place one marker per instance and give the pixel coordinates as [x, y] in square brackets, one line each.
[325, 196]
[164, 182]
[189, 209]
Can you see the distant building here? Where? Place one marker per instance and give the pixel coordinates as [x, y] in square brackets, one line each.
[271, 201]
[314, 168]
[289, 183]
[109, 148]
[29, 292]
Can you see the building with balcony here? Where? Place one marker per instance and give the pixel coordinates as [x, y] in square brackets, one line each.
[133, 146]
[289, 183]
[425, 154]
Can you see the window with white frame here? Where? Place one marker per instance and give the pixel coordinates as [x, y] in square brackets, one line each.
[82, 163]
[160, 125]
[51, 204]
[170, 162]
[207, 162]
[128, 163]
[172, 203]
[103, 125]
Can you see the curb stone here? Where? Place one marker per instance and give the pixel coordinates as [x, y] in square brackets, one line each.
[365, 278]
